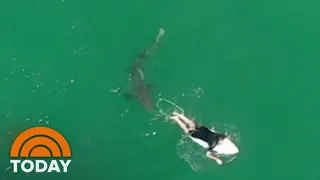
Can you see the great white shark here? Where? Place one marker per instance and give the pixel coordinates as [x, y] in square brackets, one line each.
[137, 79]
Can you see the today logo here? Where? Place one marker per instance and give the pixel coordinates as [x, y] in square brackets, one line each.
[40, 149]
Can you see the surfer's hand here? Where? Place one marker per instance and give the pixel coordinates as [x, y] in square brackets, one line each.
[212, 156]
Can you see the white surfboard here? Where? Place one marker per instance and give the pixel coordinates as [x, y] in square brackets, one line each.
[226, 147]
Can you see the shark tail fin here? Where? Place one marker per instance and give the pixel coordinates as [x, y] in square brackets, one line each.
[161, 33]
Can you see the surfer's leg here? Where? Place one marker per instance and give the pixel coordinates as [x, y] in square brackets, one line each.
[191, 124]
[180, 123]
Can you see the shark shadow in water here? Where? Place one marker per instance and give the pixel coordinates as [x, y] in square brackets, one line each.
[137, 79]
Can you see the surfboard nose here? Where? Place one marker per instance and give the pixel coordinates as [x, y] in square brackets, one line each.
[226, 147]
[234, 150]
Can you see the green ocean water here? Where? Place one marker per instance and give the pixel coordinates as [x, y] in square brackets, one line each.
[256, 63]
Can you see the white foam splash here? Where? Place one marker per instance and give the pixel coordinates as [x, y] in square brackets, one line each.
[115, 90]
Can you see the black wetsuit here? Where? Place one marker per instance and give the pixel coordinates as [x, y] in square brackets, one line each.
[204, 134]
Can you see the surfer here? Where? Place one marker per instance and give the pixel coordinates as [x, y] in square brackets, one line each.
[210, 140]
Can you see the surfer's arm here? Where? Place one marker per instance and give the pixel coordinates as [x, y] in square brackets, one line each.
[212, 156]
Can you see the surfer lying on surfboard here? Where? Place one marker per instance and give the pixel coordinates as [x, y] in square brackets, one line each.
[215, 143]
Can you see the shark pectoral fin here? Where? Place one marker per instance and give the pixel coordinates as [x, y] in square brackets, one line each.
[129, 96]
[150, 87]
